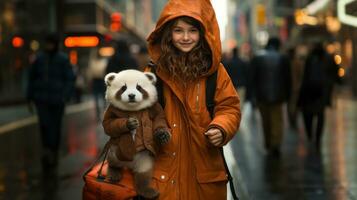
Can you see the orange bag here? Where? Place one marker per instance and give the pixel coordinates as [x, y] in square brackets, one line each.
[96, 187]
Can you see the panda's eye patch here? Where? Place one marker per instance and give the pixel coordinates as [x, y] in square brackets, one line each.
[143, 91]
[120, 92]
[123, 88]
[138, 87]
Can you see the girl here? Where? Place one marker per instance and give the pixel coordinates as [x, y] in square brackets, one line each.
[185, 46]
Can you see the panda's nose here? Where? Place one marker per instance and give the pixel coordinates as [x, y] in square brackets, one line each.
[131, 96]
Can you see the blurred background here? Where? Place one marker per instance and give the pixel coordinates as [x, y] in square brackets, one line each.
[89, 31]
[90, 27]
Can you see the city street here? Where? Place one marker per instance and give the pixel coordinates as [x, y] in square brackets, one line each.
[300, 173]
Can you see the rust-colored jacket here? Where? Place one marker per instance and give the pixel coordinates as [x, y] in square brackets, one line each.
[150, 119]
[190, 168]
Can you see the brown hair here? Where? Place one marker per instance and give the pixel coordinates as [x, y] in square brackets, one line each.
[185, 66]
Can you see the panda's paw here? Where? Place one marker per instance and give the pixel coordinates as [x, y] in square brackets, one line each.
[132, 123]
[162, 136]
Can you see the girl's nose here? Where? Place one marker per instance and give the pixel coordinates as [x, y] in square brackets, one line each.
[185, 35]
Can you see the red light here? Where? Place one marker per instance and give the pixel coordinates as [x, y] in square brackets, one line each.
[81, 41]
[116, 17]
[17, 42]
[108, 38]
[115, 24]
[73, 57]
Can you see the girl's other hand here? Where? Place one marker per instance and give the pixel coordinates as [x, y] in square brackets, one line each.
[215, 136]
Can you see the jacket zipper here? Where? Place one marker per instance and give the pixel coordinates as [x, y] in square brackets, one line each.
[197, 97]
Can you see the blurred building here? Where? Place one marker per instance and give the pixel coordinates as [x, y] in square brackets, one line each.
[86, 28]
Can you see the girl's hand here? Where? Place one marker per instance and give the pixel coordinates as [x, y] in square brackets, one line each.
[215, 136]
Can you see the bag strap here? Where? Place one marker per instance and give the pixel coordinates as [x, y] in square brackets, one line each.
[211, 84]
[105, 153]
[229, 176]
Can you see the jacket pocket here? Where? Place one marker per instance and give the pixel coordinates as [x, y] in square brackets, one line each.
[211, 177]
[160, 182]
[213, 185]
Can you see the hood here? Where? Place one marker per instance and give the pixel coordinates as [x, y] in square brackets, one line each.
[200, 10]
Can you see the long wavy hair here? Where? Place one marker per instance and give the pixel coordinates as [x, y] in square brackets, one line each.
[181, 65]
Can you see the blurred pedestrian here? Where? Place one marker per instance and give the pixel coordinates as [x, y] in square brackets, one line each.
[237, 70]
[95, 75]
[186, 48]
[79, 84]
[142, 58]
[50, 84]
[320, 74]
[122, 58]
[297, 68]
[270, 81]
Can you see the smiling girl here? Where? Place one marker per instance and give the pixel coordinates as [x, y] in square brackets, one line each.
[186, 48]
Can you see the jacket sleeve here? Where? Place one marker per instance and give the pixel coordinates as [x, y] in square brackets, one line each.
[159, 119]
[227, 113]
[113, 125]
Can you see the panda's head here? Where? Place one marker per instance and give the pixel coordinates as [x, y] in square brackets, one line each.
[131, 90]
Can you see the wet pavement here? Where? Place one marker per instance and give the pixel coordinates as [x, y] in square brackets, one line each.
[21, 175]
[300, 173]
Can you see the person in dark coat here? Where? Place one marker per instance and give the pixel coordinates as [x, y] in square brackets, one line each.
[50, 85]
[237, 69]
[270, 83]
[122, 58]
[320, 74]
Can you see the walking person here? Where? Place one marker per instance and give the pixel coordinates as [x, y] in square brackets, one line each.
[186, 48]
[237, 69]
[297, 69]
[95, 74]
[320, 74]
[270, 82]
[122, 58]
[50, 85]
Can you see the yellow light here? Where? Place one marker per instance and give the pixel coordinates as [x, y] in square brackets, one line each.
[299, 17]
[81, 41]
[34, 45]
[261, 14]
[333, 24]
[341, 72]
[106, 51]
[338, 59]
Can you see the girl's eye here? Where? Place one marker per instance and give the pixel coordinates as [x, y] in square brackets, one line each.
[177, 30]
[194, 30]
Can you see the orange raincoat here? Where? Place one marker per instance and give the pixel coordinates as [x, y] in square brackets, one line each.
[189, 167]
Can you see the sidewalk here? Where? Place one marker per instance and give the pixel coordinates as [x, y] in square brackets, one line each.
[301, 173]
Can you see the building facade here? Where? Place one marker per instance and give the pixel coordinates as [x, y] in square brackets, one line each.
[23, 25]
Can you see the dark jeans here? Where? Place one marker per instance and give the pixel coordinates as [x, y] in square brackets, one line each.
[98, 93]
[50, 120]
[312, 131]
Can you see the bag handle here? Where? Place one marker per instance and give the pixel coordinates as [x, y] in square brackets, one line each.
[105, 153]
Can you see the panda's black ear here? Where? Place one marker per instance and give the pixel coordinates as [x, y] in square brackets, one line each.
[109, 78]
[151, 76]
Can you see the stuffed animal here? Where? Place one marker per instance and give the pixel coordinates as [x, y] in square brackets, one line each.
[137, 127]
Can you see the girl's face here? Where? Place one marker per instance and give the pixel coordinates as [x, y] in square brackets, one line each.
[185, 36]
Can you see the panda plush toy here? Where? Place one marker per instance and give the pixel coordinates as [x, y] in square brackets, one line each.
[137, 127]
